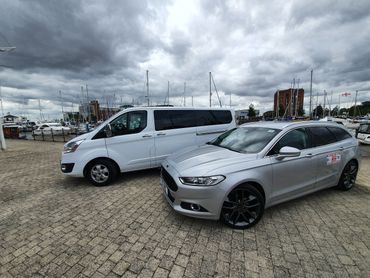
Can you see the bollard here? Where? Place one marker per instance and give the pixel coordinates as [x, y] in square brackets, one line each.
[64, 139]
[33, 135]
[52, 134]
[42, 134]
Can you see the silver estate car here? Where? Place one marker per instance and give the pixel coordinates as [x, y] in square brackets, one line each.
[255, 166]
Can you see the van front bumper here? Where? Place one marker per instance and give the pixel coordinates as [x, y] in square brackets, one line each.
[70, 165]
[66, 167]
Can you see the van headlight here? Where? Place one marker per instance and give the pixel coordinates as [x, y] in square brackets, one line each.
[72, 146]
[206, 181]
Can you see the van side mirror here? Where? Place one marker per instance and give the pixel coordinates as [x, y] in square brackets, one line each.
[288, 152]
[108, 130]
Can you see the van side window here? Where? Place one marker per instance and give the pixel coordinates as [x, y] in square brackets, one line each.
[297, 138]
[339, 133]
[321, 136]
[213, 117]
[129, 123]
[171, 119]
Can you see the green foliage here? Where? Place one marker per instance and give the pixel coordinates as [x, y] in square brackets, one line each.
[318, 111]
[301, 111]
[251, 111]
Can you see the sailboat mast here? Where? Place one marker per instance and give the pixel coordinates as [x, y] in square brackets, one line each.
[210, 89]
[147, 86]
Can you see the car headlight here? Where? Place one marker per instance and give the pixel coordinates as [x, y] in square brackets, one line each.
[72, 146]
[206, 181]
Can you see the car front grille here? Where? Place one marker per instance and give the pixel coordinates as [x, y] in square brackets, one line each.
[168, 180]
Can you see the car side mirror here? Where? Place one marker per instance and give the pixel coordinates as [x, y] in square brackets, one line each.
[288, 152]
[108, 130]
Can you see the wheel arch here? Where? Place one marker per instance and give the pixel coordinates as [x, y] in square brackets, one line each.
[254, 183]
[257, 185]
[100, 158]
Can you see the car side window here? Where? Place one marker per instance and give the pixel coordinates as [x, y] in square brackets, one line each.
[339, 133]
[297, 138]
[129, 123]
[321, 136]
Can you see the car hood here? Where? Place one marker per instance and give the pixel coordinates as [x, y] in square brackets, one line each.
[205, 160]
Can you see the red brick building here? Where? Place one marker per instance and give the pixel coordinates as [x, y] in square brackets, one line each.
[290, 100]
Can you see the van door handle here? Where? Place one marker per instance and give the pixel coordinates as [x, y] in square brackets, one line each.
[146, 136]
[161, 134]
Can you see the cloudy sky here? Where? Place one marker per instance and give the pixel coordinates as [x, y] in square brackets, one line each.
[252, 49]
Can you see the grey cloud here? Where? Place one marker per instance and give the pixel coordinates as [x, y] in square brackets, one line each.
[252, 49]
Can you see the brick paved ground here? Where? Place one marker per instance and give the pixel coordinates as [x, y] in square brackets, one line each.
[55, 226]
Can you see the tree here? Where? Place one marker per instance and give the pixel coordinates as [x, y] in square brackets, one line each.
[281, 110]
[343, 111]
[251, 111]
[335, 111]
[318, 111]
[301, 111]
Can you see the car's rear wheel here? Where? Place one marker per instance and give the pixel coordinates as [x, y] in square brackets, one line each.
[348, 177]
[243, 207]
[101, 172]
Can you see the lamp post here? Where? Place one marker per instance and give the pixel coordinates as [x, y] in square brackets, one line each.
[2, 138]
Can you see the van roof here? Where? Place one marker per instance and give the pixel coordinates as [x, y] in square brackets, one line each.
[177, 108]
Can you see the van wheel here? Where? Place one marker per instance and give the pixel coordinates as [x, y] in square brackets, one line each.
[101, 172]
[243, 207]
[348, 177]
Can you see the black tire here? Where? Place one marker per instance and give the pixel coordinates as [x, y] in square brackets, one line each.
[243, 207]
[101, 172]
[348, 178]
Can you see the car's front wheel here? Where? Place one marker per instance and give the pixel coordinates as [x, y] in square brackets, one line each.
[101, 172]
[243, 207]
[348, 177]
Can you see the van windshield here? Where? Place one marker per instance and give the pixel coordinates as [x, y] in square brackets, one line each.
[245, 139]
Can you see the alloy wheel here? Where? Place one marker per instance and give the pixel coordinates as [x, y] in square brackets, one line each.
[242, 208]
[349, 175]
[99, 173]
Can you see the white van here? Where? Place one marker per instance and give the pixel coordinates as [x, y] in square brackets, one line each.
[141, 138]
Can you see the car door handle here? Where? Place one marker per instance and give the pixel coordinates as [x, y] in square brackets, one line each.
[146, 136]
[341, 148]
[309, 155]
[161, 134]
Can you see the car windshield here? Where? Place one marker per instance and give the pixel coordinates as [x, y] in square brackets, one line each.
[246, 139]
[364, 128]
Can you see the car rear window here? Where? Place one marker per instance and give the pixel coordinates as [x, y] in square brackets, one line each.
[339, 133]
[321, 136]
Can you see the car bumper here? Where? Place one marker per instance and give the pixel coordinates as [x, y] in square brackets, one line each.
[194, 201]
[364, 141]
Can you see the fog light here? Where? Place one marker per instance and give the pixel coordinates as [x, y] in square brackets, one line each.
[195, 207]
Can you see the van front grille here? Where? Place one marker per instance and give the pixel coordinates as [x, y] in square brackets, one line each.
[168, 180]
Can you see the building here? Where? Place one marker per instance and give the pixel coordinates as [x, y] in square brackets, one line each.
[93, 112]
[242, 115]
[290, 102]
[9, 119]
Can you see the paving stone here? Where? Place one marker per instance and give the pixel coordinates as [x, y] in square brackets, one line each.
[54, 226]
